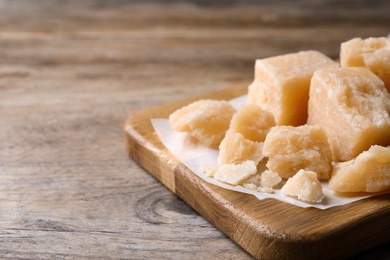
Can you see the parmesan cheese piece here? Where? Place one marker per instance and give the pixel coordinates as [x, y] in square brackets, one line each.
[265, 189]
[352, 51]
[250, 186]
[234, 148]
[269, 179]
[369, 172]
[235, 173]
[379, 63]
[373, 53]
[292, 148]
[252, 122]
[281, 84]
[305, 186]
[206, 120]
[352, 106]
[208, 170]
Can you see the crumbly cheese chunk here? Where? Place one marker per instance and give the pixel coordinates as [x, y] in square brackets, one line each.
[290, 149]
[234, 174]
[234, 148]
[281, 84]
[305, 186]
[368, 172]
[352, 106]
[373, 53]
[206, 120]
[379, 63]
[352, 51]
[252, 122]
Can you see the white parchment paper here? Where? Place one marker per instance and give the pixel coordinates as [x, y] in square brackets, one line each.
[192, 154]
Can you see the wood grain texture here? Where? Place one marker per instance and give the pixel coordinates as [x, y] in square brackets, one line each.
[72, 71]
[267, 229]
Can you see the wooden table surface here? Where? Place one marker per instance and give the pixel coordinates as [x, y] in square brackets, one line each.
[72, 71]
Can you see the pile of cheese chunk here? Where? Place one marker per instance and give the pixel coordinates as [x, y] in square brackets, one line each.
[308, 119]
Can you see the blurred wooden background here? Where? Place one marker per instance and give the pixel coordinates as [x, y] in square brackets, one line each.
[72, 71]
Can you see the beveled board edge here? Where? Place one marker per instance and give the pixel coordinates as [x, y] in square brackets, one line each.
[267, 229]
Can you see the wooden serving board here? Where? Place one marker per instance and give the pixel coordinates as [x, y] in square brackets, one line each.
[267, 229]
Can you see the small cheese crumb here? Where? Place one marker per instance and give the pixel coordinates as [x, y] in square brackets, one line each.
[253, 179]
[235, 173]
[207, 169]
[265, 189]
[305, 186]
[262, 182]
[269, 179]
[250, 186]
[254, 187]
